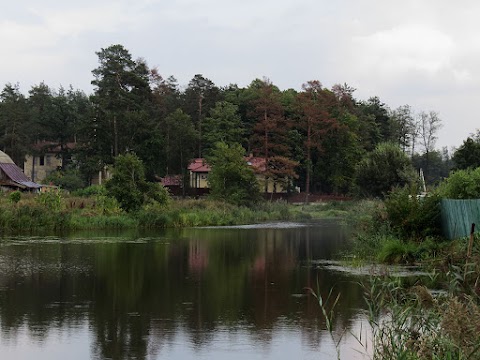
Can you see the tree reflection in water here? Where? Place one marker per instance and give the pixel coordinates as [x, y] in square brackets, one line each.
[207, 290]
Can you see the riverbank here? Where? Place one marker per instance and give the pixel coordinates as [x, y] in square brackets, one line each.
[424, 317]
[58, 211]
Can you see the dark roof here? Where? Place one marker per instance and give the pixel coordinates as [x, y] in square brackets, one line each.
[52, 147]
[16, 175]
[171, 180]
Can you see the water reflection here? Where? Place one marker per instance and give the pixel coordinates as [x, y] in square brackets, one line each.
[212, 293]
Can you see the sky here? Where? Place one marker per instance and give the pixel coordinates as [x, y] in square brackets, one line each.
[424, 53]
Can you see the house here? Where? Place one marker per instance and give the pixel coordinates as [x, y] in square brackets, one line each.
[198, 170]
[44, 160]
[12, 177]
[198, 173]
[173, 183]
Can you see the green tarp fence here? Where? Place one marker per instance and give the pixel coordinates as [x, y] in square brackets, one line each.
[458, 216]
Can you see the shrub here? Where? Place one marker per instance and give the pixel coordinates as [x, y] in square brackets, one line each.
[15, 196]
[383, 169]
[411, 216]
[69, 179]
[91, 191]
[462, 184]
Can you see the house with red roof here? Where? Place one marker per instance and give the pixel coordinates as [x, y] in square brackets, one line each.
[199, 169]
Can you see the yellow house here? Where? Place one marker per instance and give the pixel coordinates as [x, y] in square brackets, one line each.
[198, 172]
[44, 160]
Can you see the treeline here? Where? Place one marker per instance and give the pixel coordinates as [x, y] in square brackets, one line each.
[315, 136]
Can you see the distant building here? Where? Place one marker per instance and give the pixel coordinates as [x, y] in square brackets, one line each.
[12, 177]
[199, 169]
[44, 160]
[173, 183]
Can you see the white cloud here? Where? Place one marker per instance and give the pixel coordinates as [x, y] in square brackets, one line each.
[405, 48]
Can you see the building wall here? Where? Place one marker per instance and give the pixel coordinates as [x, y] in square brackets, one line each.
[38, 168]
[272, 187]
[198, 180]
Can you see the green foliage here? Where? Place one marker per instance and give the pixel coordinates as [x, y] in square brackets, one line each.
[180, 139]
[15, 196]
[394, 251]
[467, 156]
[231, 179]
[128, 184]
[413, 217]
[52, 200]
[461, 184]
[224, 124]
[70, 180]
[382, 170]
[92, 190]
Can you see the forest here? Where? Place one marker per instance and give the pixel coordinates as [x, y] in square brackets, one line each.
[314, 136]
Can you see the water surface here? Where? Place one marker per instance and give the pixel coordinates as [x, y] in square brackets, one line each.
[205, 293]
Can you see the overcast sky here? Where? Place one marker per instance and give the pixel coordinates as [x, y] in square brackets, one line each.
[424, 53]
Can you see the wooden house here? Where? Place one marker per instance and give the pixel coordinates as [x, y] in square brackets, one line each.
[13, 178]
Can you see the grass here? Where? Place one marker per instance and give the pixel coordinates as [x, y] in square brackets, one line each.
[60, 211]
[411, 323]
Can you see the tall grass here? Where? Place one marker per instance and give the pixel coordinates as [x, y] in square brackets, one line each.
[411, 323]
[58, 211]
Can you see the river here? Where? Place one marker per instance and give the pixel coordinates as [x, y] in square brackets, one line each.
[202, 293]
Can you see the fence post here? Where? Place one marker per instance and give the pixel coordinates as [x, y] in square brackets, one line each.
[470, 243]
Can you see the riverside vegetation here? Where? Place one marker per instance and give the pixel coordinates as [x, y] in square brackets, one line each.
[93, 208]
[424, 317]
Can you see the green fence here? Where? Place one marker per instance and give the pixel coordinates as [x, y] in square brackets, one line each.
[458, 216]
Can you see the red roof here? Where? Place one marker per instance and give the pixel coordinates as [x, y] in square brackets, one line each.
[199, 165]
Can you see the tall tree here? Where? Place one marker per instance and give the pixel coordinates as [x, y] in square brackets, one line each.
[199, 97]
[180, 139]
[166, 95]
[231, 179]
[468, 154]
[403, 126]
[122, 98]
[223, 125]
[14, 123]
[375, 123]
[40, 103]
[315, 122]
[269, 138]
[429, 123]
[383, 169]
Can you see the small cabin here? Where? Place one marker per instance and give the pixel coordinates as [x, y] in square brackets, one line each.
[13, 178]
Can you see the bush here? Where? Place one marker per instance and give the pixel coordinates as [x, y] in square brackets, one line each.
[15, 196]
[91, 191]
[382, 170]
[413, 217]
[69, 180]
[462, 184]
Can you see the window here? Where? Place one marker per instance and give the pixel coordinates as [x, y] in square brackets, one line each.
[42, 160]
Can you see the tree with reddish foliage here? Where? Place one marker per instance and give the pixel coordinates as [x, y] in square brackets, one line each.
[269, 134]
[315, 122]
